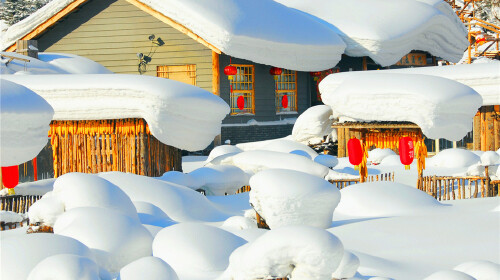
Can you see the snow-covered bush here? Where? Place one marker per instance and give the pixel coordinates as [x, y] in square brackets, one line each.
[286, 197]
[115, 239]
[148, 268]
[300, 252]
[195, 249]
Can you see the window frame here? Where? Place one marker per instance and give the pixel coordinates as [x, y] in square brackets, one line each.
[162, 71]
[246, 93]
[279, 92]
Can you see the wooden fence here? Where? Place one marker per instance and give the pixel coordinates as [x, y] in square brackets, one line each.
[448, 187]
[342, 183]
[18, 203]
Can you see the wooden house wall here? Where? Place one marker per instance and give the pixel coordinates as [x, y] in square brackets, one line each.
[265, 109]
[112, 32]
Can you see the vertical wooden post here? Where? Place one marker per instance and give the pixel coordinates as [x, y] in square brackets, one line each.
[341, 143]
[365, 64]
[487, 183]
[483, 128]
[496, 126]
[489, 128]
[476, 131]
[27, 47]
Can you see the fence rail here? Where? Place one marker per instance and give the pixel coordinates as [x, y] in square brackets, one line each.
[342, 183]
[451, 188]
[18, 203]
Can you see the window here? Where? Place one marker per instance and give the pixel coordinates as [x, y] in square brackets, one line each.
[243, 90]
[286, 92]
[181, 73]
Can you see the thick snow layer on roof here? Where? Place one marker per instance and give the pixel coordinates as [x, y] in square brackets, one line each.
[286, 197]
[50, 63]
[262, 31]
[482, 77]
[24, 123]
[178, 114]
[442, 108]
[300, 252]
[386, 32]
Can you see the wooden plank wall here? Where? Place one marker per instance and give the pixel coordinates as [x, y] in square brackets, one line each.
[486, 129]
[112, 32]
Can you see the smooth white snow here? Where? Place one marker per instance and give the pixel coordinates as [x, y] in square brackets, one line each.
[10, 217]
[442, 108]
[386, 32]
[222, 150]
[376, 155]
[453, 158]
[115, 239]
[220, 179]
[182, 179]
[24, 123]
[178, 114]
[286, 197]
[347, 267]
[65, 267]
[449, 275]
[481, 270]
[313, 124]
[39, 187]
[150, 268]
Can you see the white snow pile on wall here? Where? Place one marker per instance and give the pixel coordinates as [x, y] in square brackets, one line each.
[442, 108]
[220, 179]
[313, 124]
[482, 77]
[50, 63]
[64, 267]
[261, 31]
[453, 158]
[259, 160]
[394, 31]
[178, 114]
[24, 123]
[74, 190]
[115, 239]
[194, 249]
[174, 200]
[376, 155]
[21, 253]
[154, 268]
[380, 199]
[300, 252]
[287, 197]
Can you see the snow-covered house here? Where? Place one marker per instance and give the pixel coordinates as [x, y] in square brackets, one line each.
[195, 40]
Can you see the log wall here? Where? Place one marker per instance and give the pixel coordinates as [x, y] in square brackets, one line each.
[487, 129]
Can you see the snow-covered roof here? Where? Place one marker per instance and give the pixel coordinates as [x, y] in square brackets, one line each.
[482, 77]
[262, 31]
[178, 114]
[49, 63]
[442, 108]
[24, 123]
[386, 31]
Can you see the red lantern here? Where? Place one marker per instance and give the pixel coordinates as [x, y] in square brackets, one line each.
[284, 101]
[315, 75]
[406, 151]
[275, 71]
[240, 102]
[230, 71]
[355, 151]
[10, 176]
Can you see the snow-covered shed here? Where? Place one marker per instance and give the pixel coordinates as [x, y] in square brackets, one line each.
[195, 40]
[127, 123]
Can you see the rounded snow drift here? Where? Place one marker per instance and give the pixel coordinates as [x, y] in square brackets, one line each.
[449, 275]
[453, 158]
[327, 160]
[286, 197]
[481, 270]
[376, 156]
[156, 269]
[64, 267]
[220, 179]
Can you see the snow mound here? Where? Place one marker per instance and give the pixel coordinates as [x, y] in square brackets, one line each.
[260, 160]
[442, 108]
[391, 160]
[313, 124]
[22, 253]
[182, 179]
[10, 217]
[64, 267]
[490, 158]
[168, 106]
[73, 190]
[24, 123]
[115, 239]
[380, 199]
[453, 158]
[73, 64]
[39, 187]
[205, 249]
[287, 197]
[394, 32]
[222, 150]
[238, 223]
[299, 251]
[220, 179]
[156, 269]
[152, 215]
[376, 156]
[327, 160]
[348, 266]
[288, 146]
[481, 270]
[174, 200]
[449, 275]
